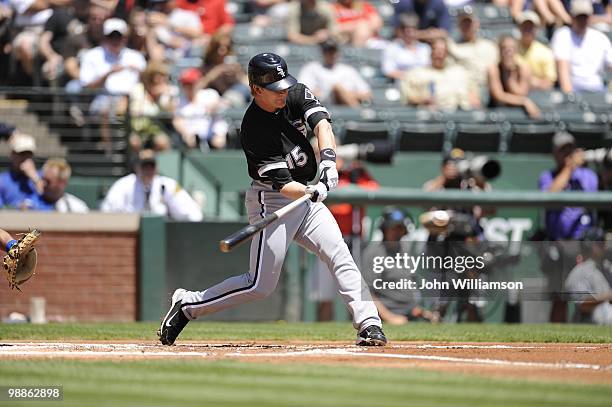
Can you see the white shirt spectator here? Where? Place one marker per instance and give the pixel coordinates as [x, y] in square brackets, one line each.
[98, 61]
[199, 116]
[71, 204]
[322, 80]
[396, 57]
[588, 57]
[165, 197]
[24, 19]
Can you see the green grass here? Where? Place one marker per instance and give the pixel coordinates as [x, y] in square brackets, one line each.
[315, 331]
[222, 383]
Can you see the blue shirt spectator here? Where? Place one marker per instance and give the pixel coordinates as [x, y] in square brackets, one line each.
[568, 222]
[434, 20]
[21, 183]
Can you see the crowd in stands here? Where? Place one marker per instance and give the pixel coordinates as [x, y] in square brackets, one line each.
[133, 48]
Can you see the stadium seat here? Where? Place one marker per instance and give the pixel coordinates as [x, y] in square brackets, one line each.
[478, 137]
[363, 132]
[531, 138]
[422, 136]
[598, 102]
[589, 135]
[386, 96]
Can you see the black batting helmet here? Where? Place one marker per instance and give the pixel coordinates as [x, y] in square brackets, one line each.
[270, 71]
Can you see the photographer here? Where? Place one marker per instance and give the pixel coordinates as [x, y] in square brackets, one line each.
[454, 175]
[590, 282]
[565, 225]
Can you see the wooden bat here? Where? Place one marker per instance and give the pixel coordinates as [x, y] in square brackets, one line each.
[247, 232]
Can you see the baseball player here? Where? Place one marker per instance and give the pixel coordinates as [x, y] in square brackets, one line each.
[281, 162]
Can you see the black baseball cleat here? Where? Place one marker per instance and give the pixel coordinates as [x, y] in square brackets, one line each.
[371, 336]
[174, 321]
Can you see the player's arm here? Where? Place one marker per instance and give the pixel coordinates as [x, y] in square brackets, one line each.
[7, 241]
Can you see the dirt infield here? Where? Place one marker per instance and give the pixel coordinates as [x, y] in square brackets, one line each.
[586, 363]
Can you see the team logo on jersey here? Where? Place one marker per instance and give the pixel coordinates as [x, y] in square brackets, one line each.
[281, 71]
[300, 126]
[308, 95]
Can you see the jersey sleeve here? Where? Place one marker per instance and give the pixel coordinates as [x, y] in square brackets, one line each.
[303, 103]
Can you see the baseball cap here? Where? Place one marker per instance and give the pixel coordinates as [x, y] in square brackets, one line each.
[114, 25]
[581, 7]
[20, 143]
[408, 20]
[466, 12]
[529, 15]
[456, 154]
[329, 45]
[561, 139]
[190, 76]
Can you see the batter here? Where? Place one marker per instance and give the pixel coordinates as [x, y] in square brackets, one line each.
[281, 162]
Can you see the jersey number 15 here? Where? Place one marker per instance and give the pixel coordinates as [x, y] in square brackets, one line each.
[296, 158]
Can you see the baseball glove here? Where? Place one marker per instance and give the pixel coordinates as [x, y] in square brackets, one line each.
[19, 264]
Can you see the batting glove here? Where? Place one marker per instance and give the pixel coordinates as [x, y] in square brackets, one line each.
[318, 191]
[327, 169]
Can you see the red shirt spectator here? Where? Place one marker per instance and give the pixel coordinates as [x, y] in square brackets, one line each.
[358, 21]
[212, 13]
[348, 12]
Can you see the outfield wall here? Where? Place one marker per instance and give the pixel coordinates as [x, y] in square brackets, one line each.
[87, 266]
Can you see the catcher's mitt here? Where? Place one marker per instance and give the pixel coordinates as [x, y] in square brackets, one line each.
[19, 264]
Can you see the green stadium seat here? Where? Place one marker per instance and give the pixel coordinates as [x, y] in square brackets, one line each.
[531, 138]
[483, 137]
[363, 132]
[589, 135]
[422, 136]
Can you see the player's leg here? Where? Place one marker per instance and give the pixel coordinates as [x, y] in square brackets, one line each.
[267, 254]
[320, 234]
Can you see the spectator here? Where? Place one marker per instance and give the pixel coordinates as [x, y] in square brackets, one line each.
[358, 21]
[177, 30]
[152, 103]
[335, 82]
[590, 282]
[146, 191]
[569, 175]
[29, 19]
[396, 307]
[538, 57]
[550, 11]
[196, 118]
[472, 52]
[434, 20]
[509, 81]
[213, 15]
[64, 24]
[113, 69]
[56, 174]
[21, 183]
[310, 22]
[406, 52]
[582, 53]
[441, 86]
[222, 72]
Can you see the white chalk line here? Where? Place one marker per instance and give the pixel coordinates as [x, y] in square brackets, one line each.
[99, 350]
[345, 352]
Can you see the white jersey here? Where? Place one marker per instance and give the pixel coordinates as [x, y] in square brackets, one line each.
[165, 197]
[71, 204]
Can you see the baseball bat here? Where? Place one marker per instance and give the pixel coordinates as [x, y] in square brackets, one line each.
[249, 231]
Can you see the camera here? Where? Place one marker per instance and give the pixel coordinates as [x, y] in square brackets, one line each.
[376, 151]
[600, 156]
[480, 167]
